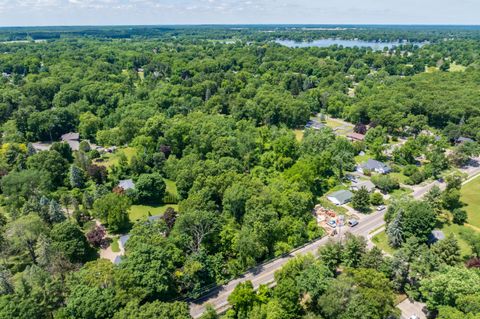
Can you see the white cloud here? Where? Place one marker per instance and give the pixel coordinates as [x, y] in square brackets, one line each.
[54, 12]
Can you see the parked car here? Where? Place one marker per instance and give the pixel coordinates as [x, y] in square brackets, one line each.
[352, 222]
[332, 223]
[380, 208]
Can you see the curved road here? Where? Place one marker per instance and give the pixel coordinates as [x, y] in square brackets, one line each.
[264, 274]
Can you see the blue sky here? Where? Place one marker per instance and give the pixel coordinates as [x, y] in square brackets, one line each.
[108, 12]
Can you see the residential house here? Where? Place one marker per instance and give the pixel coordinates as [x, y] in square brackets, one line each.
[340, 197]
[374, 166]
[356, 137]
[367, 184]
[72, 139]
[314, 124]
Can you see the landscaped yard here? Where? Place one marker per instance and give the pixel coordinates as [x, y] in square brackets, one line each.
[138, 212]
[381, 240]
[113, 159]
[470, 195]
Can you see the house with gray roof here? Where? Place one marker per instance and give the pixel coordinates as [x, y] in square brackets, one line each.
[374, 166]
[72, 139]
[367, 184]
[340, 197]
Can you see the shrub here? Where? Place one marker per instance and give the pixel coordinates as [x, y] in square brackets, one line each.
[459, 216]
[376, 199]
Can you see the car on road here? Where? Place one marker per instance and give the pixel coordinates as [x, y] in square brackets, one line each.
[380, 208]
[352, 222]
[332, 223]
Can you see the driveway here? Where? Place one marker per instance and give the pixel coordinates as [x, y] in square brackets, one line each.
[409, 309]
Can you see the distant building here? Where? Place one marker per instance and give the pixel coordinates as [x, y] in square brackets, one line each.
[367, 184]
[340, 197]
[126, 184]
[374, 166]
[356, 137]
[462, 140]
[314, 124]
[72, 139]
[39, 147]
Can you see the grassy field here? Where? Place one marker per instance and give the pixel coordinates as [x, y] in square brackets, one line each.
[470, 195]
[114, 245]
[381, 241]
[359, 159]
[456, 230]
[113, 159]
[138, 212]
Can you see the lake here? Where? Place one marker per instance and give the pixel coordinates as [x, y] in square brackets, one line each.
[323, 43]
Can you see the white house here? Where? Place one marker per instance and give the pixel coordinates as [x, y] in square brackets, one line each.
[374, 166]
[340, 197]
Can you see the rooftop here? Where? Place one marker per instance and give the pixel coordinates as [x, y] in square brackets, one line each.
[126, 184]
[342, 195]
[71, 136]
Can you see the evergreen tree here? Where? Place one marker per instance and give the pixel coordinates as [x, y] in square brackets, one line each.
[43, 251]
[55, 212]
[76, 177]
[394, 231]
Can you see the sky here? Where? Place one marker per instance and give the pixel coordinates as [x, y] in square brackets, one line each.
[167, 12]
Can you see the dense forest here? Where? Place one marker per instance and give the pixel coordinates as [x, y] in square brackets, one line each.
[216, 112]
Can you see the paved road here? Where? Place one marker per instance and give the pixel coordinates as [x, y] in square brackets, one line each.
[264, 274]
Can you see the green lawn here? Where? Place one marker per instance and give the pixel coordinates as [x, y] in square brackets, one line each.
[359, 159]
[114, 245]
[400, 192]
[381, 241]
[470, 195]
[400, 177]
[456, 230]
[113, 159]
[138, 212]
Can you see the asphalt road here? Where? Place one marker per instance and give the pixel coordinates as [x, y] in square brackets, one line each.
[264, 274]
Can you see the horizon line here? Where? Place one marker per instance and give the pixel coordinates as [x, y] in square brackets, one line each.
[243, 24]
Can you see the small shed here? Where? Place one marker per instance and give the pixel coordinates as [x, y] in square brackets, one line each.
[436, 235]
[126, 184]
[340, 197]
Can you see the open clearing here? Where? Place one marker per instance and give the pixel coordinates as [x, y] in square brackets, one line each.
[138, 212]
[470, 196]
